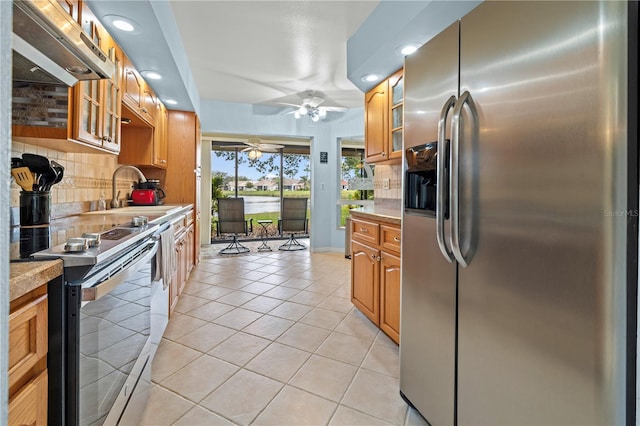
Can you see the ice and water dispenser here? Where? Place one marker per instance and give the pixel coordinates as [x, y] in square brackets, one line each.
[421, 179]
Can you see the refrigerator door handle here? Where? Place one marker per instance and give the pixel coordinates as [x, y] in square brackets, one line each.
[443, 149]
[454, 172]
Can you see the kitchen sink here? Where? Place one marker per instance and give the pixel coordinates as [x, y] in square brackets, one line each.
[141, 210]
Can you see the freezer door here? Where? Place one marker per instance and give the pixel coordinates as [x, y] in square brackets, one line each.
[541, 305]
[428, 305]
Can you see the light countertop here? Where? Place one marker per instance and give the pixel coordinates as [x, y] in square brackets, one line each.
[384, 214]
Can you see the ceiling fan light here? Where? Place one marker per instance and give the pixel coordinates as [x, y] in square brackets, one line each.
[315, 117]
[254, 154]
[297, 114]
[303, 110]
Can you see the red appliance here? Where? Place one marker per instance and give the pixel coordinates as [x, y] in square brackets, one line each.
[147, 197]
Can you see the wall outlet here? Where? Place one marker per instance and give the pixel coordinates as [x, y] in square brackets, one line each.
[386, 183]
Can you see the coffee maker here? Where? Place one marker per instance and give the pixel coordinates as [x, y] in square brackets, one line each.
[147, 193]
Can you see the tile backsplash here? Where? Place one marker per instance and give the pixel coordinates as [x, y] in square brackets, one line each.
[391, 197]
[86, 177]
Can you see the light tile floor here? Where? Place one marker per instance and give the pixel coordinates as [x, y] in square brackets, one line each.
[272, 338]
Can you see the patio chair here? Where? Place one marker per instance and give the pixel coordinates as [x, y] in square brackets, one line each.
[231, 221]
[293, 219]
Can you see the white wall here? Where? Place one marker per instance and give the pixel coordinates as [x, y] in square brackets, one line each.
[227, 117]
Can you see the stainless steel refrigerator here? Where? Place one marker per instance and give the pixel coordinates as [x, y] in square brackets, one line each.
[519, 236]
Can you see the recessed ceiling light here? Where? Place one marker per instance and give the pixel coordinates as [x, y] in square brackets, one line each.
[151, 74]
[370, 78]
[122, 23]
[170, 101]
[407, 49]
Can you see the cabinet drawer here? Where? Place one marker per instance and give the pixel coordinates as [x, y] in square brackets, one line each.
[28, 337]
[29, 405]
[179, 224]
[364, 231]
[390, 238]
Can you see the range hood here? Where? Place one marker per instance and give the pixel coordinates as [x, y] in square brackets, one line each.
[50, 47]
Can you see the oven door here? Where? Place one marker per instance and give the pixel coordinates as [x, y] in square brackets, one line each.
[109, 333]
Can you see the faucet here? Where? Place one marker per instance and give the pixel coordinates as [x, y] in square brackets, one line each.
[114, 198]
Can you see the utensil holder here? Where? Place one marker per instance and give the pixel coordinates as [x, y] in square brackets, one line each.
[35, 207]
[34, 239]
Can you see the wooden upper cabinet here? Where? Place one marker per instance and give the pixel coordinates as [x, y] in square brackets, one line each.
[132, 83]
[88, 94]
[72, 7]
[396, 114]
[112, 101]
[376, 123]
[96, 112]
[138, 95]
[384, 105]
[149, 104]
[160, 152]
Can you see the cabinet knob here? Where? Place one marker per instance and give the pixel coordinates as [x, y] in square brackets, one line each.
[364, 230]
[396, 239]
[384, 154]
[143, 109]
[163, 161]
[378, 258]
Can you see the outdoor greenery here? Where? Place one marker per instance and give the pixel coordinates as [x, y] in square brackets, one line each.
[292, 194]
[270, 163]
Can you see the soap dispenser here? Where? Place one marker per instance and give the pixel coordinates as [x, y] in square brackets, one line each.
[102, 202]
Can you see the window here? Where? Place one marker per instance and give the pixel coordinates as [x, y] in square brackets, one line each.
[262, 181]
[356, 177]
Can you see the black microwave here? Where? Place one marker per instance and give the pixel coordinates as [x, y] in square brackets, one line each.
[421, 183]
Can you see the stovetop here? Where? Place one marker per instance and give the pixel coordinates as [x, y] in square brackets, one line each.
[117, 232]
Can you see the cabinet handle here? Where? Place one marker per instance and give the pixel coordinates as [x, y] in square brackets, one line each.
[163, 161]
[378, 258]
[143, 109]
[373, 256]
[396, 239]
[364, 230]
[384, 154]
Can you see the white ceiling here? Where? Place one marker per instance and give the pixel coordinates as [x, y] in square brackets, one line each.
[265, 52]
[258, 52]
[255, 52]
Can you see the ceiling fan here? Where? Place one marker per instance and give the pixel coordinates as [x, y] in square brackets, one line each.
[255, 147]
[310, 107]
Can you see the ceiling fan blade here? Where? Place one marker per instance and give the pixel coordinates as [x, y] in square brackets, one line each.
[270, 146]
[229, 146]
[334, 109]
[288, 104]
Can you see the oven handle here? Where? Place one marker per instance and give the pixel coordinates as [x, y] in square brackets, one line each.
[96, 292]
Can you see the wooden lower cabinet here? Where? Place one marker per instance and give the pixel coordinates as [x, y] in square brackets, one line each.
[390, 295]
[184, 246]
[375, 274]
[365, 277]
[28, 348]
[29, 405]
